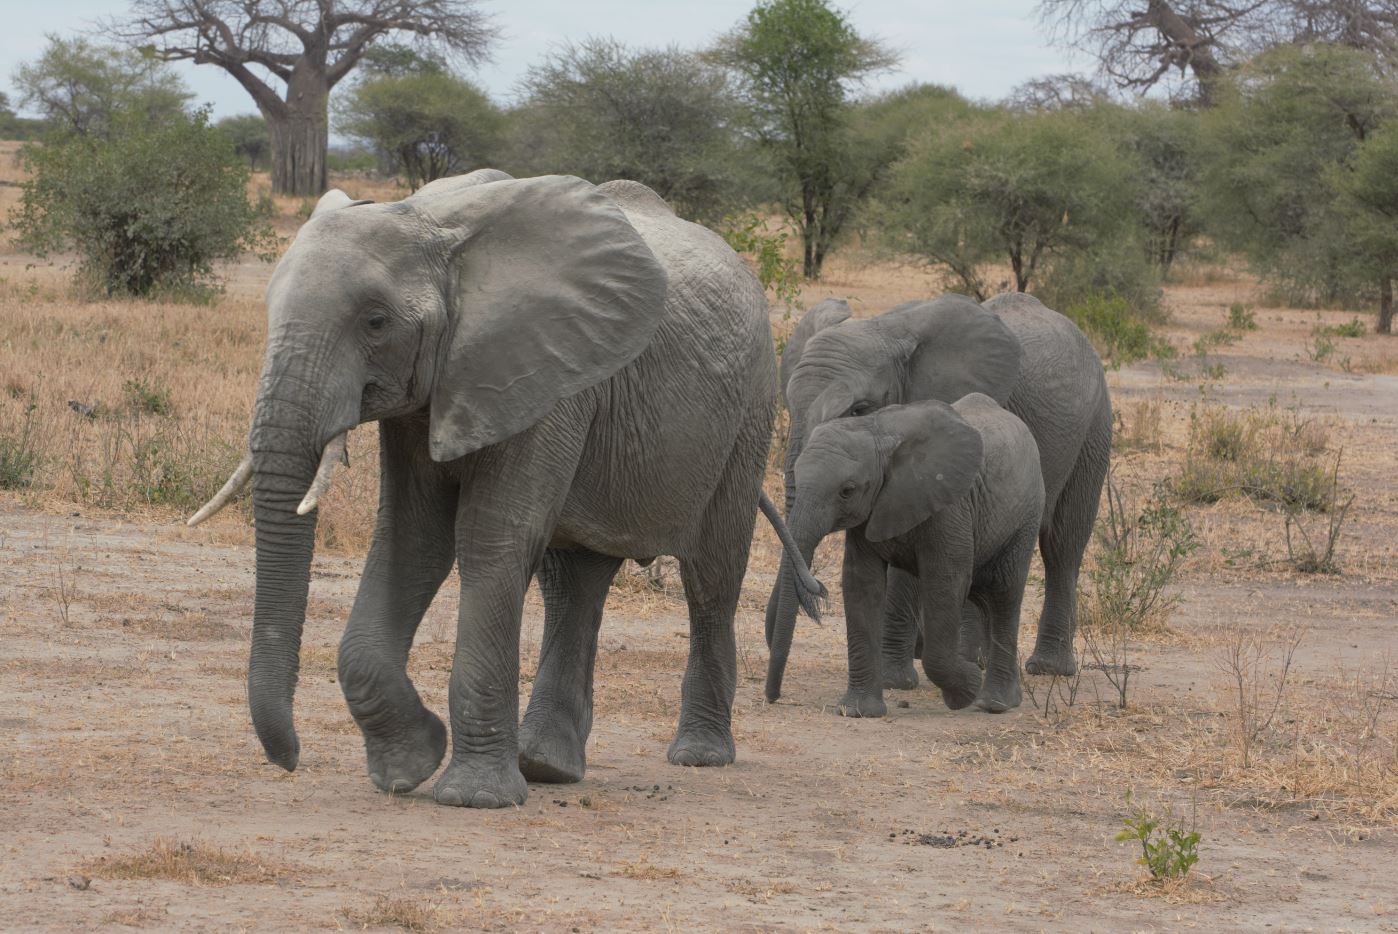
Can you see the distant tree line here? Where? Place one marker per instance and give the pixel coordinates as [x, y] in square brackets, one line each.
[1276, 145]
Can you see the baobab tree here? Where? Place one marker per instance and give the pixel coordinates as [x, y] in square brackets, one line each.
[1140, 44]
[308, 46]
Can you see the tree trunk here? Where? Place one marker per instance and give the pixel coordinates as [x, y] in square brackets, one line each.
[1385, 325]
[300, 135]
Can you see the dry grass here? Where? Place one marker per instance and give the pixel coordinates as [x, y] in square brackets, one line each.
[643, 868]
[404, 912]
[193, 863]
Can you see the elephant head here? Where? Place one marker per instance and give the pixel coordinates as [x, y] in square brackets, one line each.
[477, 303]
[941, 349]
[888, 472]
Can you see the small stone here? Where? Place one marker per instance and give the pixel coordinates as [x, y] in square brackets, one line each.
[81, 883]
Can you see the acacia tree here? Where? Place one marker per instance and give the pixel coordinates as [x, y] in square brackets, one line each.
[1029, 189]
[799, 61]
[1370, 198]
[308, 46]
[427, 123]
[1280, 146]
[82, 88]
[663, 117]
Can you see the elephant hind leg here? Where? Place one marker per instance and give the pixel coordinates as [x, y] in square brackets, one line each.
[1062, 544]
[712, 570]
[553, 737]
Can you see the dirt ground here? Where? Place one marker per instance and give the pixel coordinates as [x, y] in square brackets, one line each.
[133, 792]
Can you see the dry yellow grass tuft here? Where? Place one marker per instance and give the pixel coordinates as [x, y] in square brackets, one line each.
[195, 863]
[643, 868]
[403, 912]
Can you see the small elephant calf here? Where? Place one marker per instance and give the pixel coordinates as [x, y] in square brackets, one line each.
[950, 493]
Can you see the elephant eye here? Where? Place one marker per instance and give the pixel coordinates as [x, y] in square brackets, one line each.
[847, 491]
[377, 321]
[861, 408]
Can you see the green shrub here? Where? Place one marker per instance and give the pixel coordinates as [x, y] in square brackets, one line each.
[1140, 547]
[18, 457]
[147, 397]
[748, 234]
[148, 209]
[1241, 318]
[1118, 332]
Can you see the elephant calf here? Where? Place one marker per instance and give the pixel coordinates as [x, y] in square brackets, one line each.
[949, 493]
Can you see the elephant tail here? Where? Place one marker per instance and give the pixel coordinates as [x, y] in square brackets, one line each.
[810, 593]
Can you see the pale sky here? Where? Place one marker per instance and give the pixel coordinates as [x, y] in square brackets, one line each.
[984, 48]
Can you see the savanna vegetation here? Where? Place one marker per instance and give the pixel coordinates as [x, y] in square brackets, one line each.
[1226, 242]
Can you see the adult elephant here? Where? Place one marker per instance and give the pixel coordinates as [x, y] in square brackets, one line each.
[564, 376]
[1028, 358]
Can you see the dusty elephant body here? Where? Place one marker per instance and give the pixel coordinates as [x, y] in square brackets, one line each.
[564, 376]
[950, 495]
[1028, 358]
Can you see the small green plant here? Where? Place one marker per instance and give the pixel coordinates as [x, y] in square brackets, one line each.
[1139, 551]
[1319, 347]
[748, 234]
[1168, 850]
[147, 397]
[18, 457]
[1241, 318]
[1302, 549]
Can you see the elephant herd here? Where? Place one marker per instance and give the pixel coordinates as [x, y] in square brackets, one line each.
[565, 376]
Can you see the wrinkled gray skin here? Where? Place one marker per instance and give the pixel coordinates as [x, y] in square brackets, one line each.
[1026, 357]
[563, 376]
[950, 495]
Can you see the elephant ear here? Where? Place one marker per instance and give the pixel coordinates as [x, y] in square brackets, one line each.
[443, 186]
[936, 457]
[551, 290]
[960, 348]
[333, 200]
[820, 316]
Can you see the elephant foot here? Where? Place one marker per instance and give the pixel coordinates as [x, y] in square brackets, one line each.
[489, 784]
[702, 748]
[899, 675]
[855, 704]
[1052, 661]
[999, 697]
[400, 763]
[550, 751]
[960, 686]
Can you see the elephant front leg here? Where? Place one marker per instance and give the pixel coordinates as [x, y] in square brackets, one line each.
[945, 582]
[864, 580]
[556, 725]
[484, 695]
[410, 556]
[902, 615]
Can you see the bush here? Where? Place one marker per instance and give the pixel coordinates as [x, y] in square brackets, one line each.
[1114, 328]
[149, 209]
[1261, 455]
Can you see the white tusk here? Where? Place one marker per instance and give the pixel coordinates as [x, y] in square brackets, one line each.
[223, 496]
[330, 460]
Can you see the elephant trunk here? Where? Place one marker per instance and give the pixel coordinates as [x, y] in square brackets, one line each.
[807, 535]
[283, 442]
